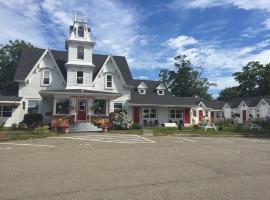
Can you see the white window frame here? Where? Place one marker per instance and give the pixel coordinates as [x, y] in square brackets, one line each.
[142, 91]
[117, 103]
[162, 92]
[80, 49]
[150, 118]
[43, 77]
[38, 105]
[175, 109]
[2, 111]
[79, 77]
[106, 81]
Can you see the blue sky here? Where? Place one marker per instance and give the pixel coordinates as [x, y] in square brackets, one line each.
[220, 36]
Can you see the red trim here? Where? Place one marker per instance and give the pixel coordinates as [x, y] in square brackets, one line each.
[244, 113]
[187, 116]
[200, 115]
[136, 114]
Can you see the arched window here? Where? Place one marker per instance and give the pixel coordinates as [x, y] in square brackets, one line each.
[81, 31]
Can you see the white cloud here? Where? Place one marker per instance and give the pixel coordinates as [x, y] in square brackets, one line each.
[219, 62]
[181, 41]
[241, 4]
[266, 24]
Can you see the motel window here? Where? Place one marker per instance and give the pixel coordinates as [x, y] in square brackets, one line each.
[80, 77]
[80, 52]
[194, 113]
[46, 78]
[142, 91]
[117, 107]
[33, 106]
[160, 92]
[5, 111]
[62, 106]
[176, 114]
[149, 113]
[99, 107]
[109, 81]
[80, 31]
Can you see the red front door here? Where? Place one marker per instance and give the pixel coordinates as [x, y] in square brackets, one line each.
[244, 113]
[81, 110]
[200, 115]
[187, 116]
[136, 115]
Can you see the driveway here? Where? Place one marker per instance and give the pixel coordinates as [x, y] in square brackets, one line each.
[84, 166]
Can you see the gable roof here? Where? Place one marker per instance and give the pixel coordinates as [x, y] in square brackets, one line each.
[214, 104]
[30, 56]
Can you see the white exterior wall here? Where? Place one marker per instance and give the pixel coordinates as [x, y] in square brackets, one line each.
[227, 112]
[72, 54]
[263, 109]
[117, 85]
[163, 115]
[30, 90]
[72, 78]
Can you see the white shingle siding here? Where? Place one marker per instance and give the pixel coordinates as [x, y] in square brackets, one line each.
[72, 78]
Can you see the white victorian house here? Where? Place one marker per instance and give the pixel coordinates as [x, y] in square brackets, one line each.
[81, 86]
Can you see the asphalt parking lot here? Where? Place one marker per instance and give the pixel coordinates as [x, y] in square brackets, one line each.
[91, 166]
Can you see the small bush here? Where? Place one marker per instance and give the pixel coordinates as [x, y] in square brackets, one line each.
[32, 120]
[40, 131]
[136, 126]
[121, 121]
[13, 126]
[22, 126]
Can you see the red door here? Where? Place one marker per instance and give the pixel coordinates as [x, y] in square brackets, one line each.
[136, 115]
[200, 115]
[187, 116]
[81, 110]
[244, 113]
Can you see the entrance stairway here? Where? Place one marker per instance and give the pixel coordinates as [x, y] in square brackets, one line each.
[84, 127]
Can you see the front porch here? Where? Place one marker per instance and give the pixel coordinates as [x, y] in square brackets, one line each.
[76, 106]
[156, 116]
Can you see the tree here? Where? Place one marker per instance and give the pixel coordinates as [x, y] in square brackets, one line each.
[9, 57]
[229, 93]
[185, 80]
[250, 79]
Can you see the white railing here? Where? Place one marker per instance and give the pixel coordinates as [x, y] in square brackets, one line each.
[80, 18]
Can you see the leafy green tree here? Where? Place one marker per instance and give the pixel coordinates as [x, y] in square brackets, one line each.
[229, 93]
[9, 57]
[250, 79]
[185, 81]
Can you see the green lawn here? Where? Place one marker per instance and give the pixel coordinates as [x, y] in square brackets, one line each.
[7, 134]
[225, 131]
[130, 131]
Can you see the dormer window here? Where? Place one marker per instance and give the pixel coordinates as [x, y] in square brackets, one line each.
[109, 80]
[142, 88]
[80, 52]
[142, 91]
[46, 80]
[81, 31]
[160, 92]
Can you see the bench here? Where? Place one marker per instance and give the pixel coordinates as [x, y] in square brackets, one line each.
[171, 125]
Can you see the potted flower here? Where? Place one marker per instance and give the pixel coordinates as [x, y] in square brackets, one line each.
[65, 127]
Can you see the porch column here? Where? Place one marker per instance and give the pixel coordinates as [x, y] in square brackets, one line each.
[54, 106]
